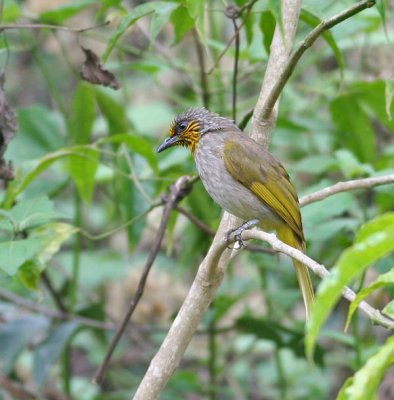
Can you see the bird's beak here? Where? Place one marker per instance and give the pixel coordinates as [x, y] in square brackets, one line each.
[168, 142]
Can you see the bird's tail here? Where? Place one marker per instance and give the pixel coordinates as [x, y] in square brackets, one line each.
[287, 236]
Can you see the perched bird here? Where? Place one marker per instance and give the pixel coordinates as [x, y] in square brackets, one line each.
[243, 178]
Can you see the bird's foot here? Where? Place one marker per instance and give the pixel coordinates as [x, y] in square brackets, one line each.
[237, 232]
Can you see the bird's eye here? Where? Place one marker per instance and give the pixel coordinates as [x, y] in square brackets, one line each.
[182, 126]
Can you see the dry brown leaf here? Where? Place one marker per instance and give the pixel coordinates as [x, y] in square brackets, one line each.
[93, 71]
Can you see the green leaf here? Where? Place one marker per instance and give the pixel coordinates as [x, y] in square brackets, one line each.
[350, 165]
[354, 128]
[49, 350]
[82, 114]
[14, 253]
[365, 382]
[32, 212]
[131, 18]
[383, 280]
[389, 96]
[106, 4]
[276, 9]
[29, 274]
[161, 17]
[64, 12]
[113, 111]
[197, 12]
[29, 172]
[381, 5]
[373, 241]
[52, 236]
[280, 335]
[83, 167]
[11, 12]
[313, 20]
[39, 133]
[389, 309]
[267, 27]
[137, 144]
[182, 22]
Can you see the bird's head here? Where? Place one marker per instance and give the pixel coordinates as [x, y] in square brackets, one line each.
[189, 126]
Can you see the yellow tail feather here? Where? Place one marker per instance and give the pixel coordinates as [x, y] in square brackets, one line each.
[287, 236]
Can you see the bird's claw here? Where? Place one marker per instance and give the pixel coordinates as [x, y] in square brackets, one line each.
[238, 233]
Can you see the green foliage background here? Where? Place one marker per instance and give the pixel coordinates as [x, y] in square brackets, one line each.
[79, 219]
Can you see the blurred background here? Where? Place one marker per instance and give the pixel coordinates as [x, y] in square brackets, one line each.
[81, 215]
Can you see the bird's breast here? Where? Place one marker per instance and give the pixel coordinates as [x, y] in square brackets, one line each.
[231, 195]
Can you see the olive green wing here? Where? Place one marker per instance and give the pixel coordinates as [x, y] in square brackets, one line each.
[252, 166]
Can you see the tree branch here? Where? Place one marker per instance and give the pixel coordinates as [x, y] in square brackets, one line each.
[346, 186]
[266, 107]
[211, 270]
[278, 61]
[178, 191]
[320, 270]
[52, 27]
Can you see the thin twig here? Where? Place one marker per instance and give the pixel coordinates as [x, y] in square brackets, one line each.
[52, 27]
[229, 10]
[192, 218]
[28, 305]
[201, 63]
[57, 299]
[346, 186]
[310, 39]
[177, 192]
[235, 71]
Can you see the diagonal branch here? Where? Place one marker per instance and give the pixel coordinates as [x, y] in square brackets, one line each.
[178, 191]
[320, 270]
[264, 111]
[345, 186]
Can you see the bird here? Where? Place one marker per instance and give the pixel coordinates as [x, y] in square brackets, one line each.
[245, 179]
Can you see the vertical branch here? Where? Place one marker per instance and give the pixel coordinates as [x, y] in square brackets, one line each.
[211, 270]
[277, 62]
[203, 76]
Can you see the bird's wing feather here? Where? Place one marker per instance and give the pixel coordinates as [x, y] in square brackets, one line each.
[244, 161]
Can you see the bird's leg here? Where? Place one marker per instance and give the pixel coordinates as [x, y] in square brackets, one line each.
[238, 232]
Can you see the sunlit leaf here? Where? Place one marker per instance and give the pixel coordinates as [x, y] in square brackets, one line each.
[365, 382]
[373, 241]
[52, 237]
